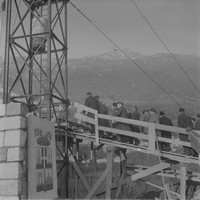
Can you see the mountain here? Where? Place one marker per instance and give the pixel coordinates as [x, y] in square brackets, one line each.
[118, 55]
[121, 79]
[114, 77]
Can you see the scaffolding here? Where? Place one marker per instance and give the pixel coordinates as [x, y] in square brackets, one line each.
[173, 163]
[36, 54]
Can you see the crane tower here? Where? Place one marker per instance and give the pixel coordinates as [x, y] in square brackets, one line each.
[35, 62]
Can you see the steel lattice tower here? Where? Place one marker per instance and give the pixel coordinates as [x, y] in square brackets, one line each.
[35, 63]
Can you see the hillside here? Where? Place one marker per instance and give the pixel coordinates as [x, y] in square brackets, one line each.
[113, 77]
[120, 79]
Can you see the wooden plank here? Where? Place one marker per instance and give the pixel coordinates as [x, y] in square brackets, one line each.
[143, 124]
[76, 178]
[95, 163]
[121, 182]
[142, 136]
[81, 175]
[161, 188]
[96, 123]
[109, 176]
[123, 132]
[171, 128]
[99, 147]
[170, 141]
[152, 138]
[147, 172]
[183, 182]
[195, 177]
[82, 107]
[178, 157]
[97, 184]
[124, 120]
[168, 192]
[84, 118]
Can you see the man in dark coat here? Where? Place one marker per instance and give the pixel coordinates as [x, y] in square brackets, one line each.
[122, 112]
[91, 102]
[166, 134]
[184, 121]
[136, 116]
[197, 123]
[102, 109]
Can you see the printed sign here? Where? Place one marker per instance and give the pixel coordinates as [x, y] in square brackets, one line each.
[42, 174]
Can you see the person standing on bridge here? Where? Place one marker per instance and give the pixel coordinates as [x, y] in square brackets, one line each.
[153, 116]
[197, 122]
[145, 118]
[185, 121]
[122, 112]
[166, 134]
[102, 109]
[135, 115]
[91, 102]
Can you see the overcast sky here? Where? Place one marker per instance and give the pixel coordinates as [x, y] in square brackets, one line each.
[176, 21]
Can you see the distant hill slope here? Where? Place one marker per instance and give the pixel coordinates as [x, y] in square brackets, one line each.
[112, 76]
[120, 79]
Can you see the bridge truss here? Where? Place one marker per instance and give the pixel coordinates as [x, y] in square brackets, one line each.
[171, 165]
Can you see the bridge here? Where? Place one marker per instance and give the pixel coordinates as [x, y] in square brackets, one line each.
[172, 164]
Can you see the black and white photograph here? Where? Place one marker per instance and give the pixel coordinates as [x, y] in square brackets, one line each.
[100, 99]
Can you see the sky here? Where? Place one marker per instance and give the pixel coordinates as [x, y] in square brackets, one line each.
[177, 22]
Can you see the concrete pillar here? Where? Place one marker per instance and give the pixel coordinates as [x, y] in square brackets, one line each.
[13, 148]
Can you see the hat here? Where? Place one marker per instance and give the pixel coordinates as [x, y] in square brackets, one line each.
[145, 110]
[162, 113]
[114, 104]
[181, 110]
[153, 110]
[120, 103]
[89, 93]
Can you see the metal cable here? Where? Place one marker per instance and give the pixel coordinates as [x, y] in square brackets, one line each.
[124, 53]
[161, 40]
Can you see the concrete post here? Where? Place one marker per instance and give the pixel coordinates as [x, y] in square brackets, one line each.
[13, 148]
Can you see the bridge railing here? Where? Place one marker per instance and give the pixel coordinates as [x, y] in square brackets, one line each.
[151, 137]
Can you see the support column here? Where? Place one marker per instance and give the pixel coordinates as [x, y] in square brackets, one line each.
[183, 181]
[7, 53]
[76, 176]
[109, 176]
[93, 159]
[13, 148]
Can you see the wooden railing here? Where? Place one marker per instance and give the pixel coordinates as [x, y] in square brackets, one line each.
[152, 137]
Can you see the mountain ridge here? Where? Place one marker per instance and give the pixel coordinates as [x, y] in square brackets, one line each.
[114, 77]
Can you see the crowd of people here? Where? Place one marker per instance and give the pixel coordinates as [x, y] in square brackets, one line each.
[118, 109]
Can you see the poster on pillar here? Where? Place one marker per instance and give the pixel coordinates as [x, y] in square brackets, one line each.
[42, 174]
